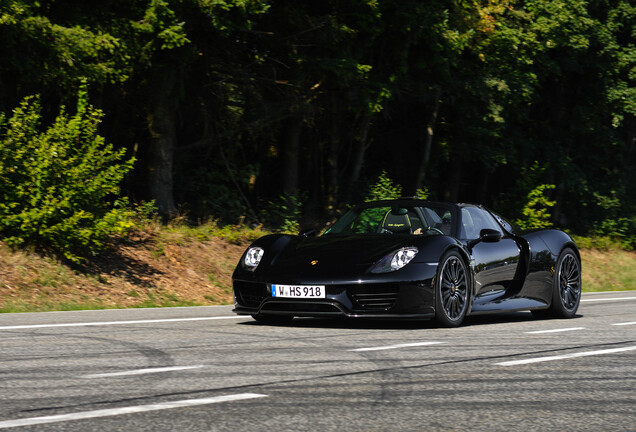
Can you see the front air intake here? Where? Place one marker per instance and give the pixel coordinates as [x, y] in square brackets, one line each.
[375, 297]
[250, 294]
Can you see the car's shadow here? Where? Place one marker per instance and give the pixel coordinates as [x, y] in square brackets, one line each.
[383, 324]
[345, 323]
[506, 317]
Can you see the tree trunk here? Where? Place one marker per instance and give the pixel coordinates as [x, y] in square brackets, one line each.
[484, 196]
[556, 216]
[332, 158]
[161, 125]
[629, 160]
[291, 151]
[451, 191]
[428, 142]
[360, 149]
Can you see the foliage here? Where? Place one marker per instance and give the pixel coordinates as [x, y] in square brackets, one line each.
[422, 193]
[60, 56]
[238, 234]
[145, 212]
[529, 203]
[621, 229]
[384, 188]
[535, 211]
[284, 214]
[614, 224]
[60, 186]
[317, 96]
[600, 243]
[217, 194]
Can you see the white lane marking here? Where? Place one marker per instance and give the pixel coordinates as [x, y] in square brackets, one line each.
[607, 299]
[556, 330]
[141, 371]
[625, 323]
[566, 356]
[106, 323]
[126, 410]
[388, 347]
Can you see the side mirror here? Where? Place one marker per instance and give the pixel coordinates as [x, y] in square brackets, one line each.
[486, 235]
[489, 235]
[310, 232]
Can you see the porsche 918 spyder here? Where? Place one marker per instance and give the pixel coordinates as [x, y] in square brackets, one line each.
[410, 259]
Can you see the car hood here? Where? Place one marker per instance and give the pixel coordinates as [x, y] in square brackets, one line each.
[340, 249]
[330, 257]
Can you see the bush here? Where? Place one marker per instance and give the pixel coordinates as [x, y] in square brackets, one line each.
[59, 187]
[284, 214]
[384, 188]
[621, 229]
[535, 211]
[601, 243]
[615, 225]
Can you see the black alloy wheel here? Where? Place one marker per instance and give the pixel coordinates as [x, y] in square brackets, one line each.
[452, 292]
[567, 285]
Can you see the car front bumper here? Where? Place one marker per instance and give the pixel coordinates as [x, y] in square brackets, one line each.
[387, 299]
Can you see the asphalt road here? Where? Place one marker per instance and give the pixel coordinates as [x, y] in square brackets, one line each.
[204, 369]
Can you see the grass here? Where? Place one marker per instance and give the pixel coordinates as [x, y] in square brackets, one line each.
[53, 306]
[234, 234]
[158, 266]
[612, 270]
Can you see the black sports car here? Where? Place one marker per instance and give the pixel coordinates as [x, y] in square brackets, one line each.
[410, 258]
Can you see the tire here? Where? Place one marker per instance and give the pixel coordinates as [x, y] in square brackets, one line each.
[566, 292]
[273, 319]
[452, 290]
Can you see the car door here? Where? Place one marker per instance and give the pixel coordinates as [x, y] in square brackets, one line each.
[494, 260]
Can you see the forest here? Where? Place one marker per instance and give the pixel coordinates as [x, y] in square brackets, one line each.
[262, 111]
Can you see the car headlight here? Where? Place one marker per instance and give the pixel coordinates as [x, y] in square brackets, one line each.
[253, 258]
[395, 260]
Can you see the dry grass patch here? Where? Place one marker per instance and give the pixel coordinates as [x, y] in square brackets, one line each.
[155, 272]
[608, 270]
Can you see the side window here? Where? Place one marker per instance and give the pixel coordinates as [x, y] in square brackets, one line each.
[369, 220]
[439, 218]
[468, 229]
[488, 221]
[474, 220]
[504, 223]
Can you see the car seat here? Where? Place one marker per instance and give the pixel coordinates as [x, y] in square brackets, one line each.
[397, 221]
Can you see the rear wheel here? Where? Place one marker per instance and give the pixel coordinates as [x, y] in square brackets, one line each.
[566, 288]
[452, 290]
[567, 285]
[273, 319]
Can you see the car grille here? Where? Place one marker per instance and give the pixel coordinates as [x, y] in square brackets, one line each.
[250, 294]
[374, 296]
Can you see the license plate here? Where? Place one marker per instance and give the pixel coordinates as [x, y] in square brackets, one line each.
[299, 291]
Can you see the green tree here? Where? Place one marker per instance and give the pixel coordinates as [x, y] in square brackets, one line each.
[535, 211]
[60, 184]
[61, 53]
[229, 104]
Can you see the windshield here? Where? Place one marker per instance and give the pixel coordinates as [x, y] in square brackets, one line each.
[387, 218]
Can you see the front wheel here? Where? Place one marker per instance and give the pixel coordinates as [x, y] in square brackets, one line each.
[452, 290]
